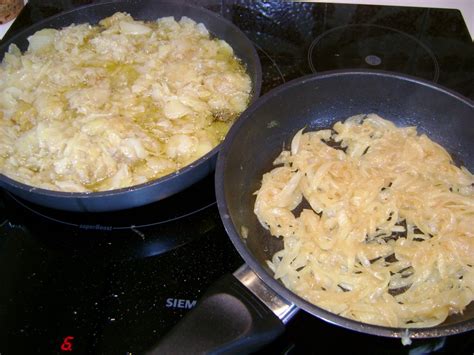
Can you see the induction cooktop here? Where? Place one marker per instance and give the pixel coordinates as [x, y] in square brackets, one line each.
[114, 283]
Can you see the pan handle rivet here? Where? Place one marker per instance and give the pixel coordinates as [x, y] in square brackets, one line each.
[373, 60]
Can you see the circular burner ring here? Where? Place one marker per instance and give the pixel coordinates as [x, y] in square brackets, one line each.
[193, 200]
[107, 227]
[371, 59]
[272, 60]
[272, 74]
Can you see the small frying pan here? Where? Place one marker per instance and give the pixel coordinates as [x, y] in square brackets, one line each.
[244, 311]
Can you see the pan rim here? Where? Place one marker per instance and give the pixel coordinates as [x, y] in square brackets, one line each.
[277, 286]
[6, 180]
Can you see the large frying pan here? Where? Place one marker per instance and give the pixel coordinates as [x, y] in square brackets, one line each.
[168, 185]
[244, 311]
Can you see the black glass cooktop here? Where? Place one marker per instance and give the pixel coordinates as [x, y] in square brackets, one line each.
[115, 283]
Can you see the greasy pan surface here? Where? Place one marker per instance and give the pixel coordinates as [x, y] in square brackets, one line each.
[166, 186]
[317, 102]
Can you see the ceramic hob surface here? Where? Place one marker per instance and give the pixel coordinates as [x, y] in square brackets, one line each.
[115, 283]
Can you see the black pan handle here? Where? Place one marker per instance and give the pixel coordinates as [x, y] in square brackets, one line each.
[228, 318]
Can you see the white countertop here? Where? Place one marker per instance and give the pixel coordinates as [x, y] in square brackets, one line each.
[465, 6]
[4, 27]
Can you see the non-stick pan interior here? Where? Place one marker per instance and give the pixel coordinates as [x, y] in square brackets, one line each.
[318, 102]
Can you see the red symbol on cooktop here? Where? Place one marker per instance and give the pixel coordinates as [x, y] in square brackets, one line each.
[67, 345]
